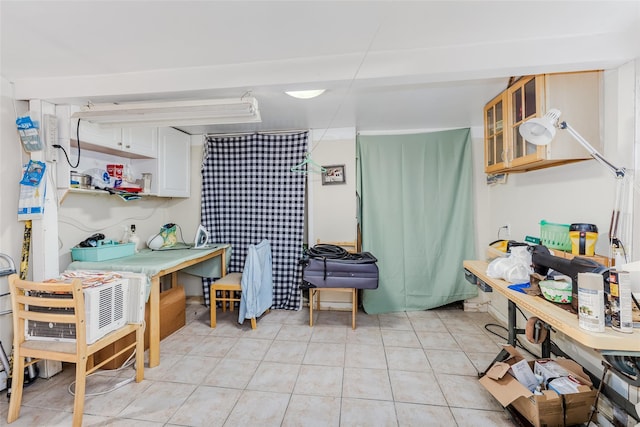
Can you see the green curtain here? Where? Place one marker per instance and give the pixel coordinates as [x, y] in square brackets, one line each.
[416, 217]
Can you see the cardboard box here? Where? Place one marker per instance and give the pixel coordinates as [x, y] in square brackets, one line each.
[172, 318]
[548, 410]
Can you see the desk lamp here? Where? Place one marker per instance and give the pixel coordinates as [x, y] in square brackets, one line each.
[540, 131]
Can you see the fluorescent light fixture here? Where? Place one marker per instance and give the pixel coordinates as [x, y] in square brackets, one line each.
[540, 131]
[173, 113]
[305, 94]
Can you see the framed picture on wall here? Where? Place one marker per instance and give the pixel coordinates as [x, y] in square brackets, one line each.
[334, 175]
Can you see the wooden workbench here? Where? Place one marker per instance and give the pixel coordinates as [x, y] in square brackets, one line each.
[561, 320]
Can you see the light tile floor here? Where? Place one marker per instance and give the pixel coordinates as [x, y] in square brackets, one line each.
[397, 369]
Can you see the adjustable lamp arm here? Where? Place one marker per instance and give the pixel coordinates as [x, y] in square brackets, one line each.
[618, 172]
[540, 131]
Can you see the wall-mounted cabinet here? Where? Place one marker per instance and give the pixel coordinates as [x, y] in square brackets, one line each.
[171, 171]
[165, 153]
[494, 149]
[132, 143]
[174, 163]
[577, 95]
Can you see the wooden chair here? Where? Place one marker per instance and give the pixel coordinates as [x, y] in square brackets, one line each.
[314, 293]
[32, 301]
[234, 287]
[229, 288]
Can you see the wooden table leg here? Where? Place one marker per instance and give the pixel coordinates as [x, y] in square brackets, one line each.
[354, 307]
[311, 293]
[174, 279]
[223, 262]
[212, 299]
[154, 322]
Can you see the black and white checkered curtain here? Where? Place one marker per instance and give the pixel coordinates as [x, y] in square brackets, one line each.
[248, 194]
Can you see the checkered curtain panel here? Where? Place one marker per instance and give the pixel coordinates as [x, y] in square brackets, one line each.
[249, 193]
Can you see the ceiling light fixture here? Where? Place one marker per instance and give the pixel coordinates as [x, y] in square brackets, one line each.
[173, 113]
[305, 94]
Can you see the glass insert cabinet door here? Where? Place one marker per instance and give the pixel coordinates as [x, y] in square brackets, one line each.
[494, 139]
[525, 100]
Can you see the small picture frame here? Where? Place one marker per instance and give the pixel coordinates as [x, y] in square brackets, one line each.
[333, 175]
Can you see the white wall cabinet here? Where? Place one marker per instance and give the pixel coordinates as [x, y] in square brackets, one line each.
[141, 141]
[174, 163]
[132, 143]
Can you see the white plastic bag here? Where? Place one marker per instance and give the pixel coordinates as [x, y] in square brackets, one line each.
[514, 268]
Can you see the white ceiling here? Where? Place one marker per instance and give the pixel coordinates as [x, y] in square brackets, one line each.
[386, 65]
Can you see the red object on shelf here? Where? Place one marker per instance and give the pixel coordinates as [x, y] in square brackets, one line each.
[130, 189]
[115, 170]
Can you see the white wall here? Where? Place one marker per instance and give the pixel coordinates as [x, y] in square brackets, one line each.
[332, 214]
[332, 208]
[11, 230]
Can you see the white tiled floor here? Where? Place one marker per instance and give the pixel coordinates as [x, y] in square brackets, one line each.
[398, 369]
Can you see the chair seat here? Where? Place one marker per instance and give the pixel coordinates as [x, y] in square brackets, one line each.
[252, 289]
[228, 280]
[56, 347]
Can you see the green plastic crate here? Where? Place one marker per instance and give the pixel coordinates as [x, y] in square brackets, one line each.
[106, 249]
[555, 236]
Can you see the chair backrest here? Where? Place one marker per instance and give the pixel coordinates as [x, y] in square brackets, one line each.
[49, 302]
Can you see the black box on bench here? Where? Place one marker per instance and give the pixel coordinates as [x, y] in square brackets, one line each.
[356, 271]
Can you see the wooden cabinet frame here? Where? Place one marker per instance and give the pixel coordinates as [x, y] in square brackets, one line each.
[577, 95]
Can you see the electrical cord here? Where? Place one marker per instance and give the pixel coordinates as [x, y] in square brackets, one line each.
[517, 343]
[75, 224]
[175, 246]
[328, 251]
[504, 227]
[124, 382]
[126, 364]
[65, 151]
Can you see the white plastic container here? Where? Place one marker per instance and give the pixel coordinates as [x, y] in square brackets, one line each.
[133, 238]
[591, 302]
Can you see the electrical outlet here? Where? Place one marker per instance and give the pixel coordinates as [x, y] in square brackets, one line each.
[50, 137]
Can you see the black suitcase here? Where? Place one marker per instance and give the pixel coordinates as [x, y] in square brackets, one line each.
[357, 270]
